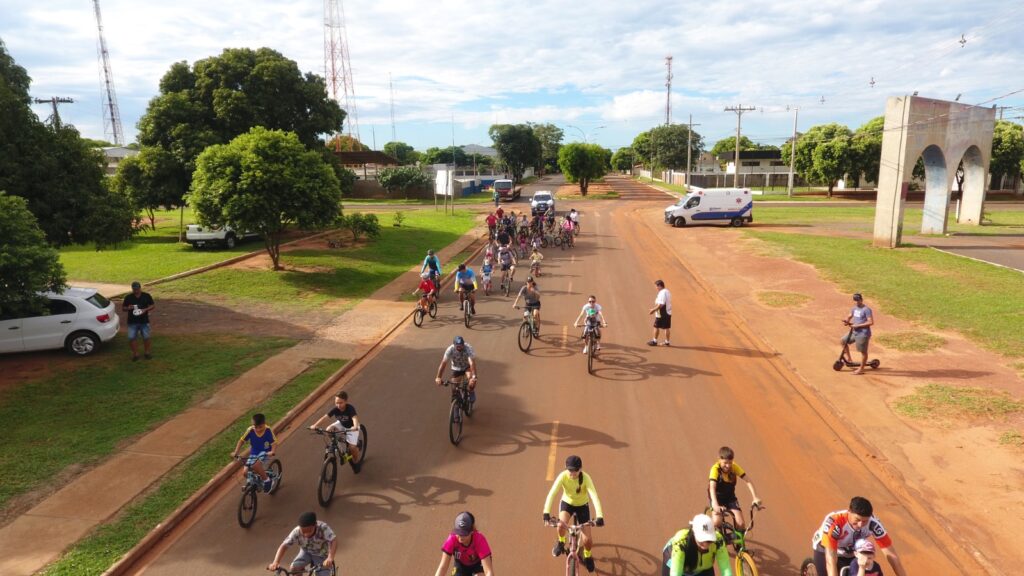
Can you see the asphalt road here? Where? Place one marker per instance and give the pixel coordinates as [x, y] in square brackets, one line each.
[648, 426]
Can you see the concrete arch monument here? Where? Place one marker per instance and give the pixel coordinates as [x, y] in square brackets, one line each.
[943, 133]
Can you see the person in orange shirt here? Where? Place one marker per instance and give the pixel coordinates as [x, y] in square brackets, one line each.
[834, 541]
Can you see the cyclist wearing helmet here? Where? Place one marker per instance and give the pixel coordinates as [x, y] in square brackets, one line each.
[463, 362]
[594, 317]
[428, 290]
[694, 551]
[577, 491]
[508, 261]
[465, 283]
[531, 295]
[317, 546]
[468, 547]
[433, 263]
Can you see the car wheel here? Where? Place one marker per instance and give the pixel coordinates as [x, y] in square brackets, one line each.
[229, 241]
[82, 343]
[679, 222]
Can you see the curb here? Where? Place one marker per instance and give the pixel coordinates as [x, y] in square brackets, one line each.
[124, 565]
[939, 528]
[977, 260]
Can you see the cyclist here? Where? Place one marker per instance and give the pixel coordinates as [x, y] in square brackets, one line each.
[724, 476]
[574, 217]
[524, 223]
[433, 263]
[492, 224]
[577, 491]
[531, 295]
[508, 261]
[504, 238]
[317, 546]
[694, 551]
[535, 259]
[463, 362]
[468, 547]
[428, 290]
[864, 565]
[465, 282]
[594, 315]
[485, 271]
[261, 441]
[833, 542]
[347, 421]
[566, 227]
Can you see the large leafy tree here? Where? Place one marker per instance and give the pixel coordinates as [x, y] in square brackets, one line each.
[518, 147]
[402, 152]
[221, 97]
[623, 158]
[402, 179]
[550, 137]
[641, 146]
[1007, 151]
[581, 163]
[728, 144]
[832, 160]
[866, 151]
[669, 143]
[59, 174]
[151, 180]
[28, 265]
[809, 142]
[265, 181]
[451, 155]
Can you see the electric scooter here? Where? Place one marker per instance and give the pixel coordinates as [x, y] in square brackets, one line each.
[842, 361]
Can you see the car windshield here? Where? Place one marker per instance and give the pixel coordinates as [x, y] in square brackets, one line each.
[503, 185]
[542, 197]
[98, 301]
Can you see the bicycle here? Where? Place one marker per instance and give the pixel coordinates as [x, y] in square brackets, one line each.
[506, 282]
[590, 342]
[309, 570]
[461, 404]
[535, 268]
[334, 452]
[254, 484]
[745, 565]
[807, 568]
[527, 330]
[417, 316]
[467, 307]
[573, 559]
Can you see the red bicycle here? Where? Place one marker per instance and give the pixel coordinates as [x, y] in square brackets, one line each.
[573, 556]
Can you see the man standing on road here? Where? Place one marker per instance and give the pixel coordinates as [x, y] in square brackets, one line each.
[860, 319]
[137, 306]
[662, 312]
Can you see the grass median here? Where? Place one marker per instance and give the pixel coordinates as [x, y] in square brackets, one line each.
[98, 551]
[983, 302]
[862, 219]
[121, 399]
[314, 277]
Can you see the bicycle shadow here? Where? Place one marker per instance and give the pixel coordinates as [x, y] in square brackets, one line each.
[537, 436]
[618, 560]
[771, 560]
[429, 490]
[627, 364]
[368, 507]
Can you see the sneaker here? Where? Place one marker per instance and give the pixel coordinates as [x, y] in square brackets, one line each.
[652, 342]
[585, 348]
[472, 396]
[472, 310]
[597, 348]
[559, 549]
[149, 356]
[268, 484]
[589, 563]
[356, 467]
[667, 343]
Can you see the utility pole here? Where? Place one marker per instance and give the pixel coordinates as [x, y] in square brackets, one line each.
[739, 110]
[689, 145]
[792, 153]
[53, 102]
[668, 90]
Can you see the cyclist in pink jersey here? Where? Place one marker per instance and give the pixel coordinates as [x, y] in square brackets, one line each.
[469, 549]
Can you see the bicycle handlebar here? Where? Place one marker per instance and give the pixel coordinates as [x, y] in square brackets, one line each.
[555, 523]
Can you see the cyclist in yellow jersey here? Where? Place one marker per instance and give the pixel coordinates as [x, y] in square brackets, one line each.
[577, 491]
[694, 551]
[724, 476]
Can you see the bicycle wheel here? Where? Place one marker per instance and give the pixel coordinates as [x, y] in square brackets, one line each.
[745, 565]
[328, 481]
[417, 317]
[455, 422]
[572, 565]
[432, 309]
[275, 472]
[247, 507]
[364, 441]
[525, 336]
[591, 343]
[465, 313]
[807, 568]
[508, 287]
[544, 242]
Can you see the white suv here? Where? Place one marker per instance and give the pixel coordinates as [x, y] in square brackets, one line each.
[541, 201]
[77, 319]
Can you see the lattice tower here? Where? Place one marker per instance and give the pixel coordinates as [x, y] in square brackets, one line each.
[111, 114]
[337, 65]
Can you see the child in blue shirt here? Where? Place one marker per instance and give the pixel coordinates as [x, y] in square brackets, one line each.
[261, 444]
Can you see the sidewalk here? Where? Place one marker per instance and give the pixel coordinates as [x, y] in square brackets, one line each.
[40, 535]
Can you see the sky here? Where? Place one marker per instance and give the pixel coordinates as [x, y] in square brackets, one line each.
[596, 68]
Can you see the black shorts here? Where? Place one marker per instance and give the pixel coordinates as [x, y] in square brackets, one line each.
[663, 321]
[458, 373]
[505, 267]
[463, 570]
[534, 306]
[468, 288]
[733, 504]
[582, 513]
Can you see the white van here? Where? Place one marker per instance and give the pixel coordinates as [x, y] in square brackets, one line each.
[734, 205]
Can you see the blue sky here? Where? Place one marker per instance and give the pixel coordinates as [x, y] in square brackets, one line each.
[595, 68]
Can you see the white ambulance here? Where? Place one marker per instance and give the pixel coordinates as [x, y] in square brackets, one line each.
[734, 205]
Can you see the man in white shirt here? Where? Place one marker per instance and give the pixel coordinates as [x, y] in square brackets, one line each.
[662, 312]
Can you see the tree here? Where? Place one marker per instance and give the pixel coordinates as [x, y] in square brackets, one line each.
[151, 180]
[582, 163]
[669, 144]
[402, 179]
[808, 143]
[452, 155]
[623, 158]
[404, 153]
[1007, 152]
[832, 161]
[550, 137]
[518, 147]
[345, 176]
[27, 264]
[867, 151]
[221, 97]
[265, 181]
[346, 143]
[641, 146]
[727, 145]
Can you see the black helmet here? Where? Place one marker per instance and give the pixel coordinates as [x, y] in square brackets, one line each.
[574, 463]
[307, 519]
[430, 252]
[459, 341]
[529, 278]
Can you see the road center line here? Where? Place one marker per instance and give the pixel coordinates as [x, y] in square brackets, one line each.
[552, 451]
[565, 336]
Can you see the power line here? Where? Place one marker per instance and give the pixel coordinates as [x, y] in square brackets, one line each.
[739, 110]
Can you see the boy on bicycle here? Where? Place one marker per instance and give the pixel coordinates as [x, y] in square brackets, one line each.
[577, 491]
[535, 259]
[317, 546]
[592, 311]
[261, 445]
[428, 290]
[345, 420]
[722, 480]
[485, 271]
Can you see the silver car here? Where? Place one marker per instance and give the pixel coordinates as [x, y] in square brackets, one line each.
[77, 320]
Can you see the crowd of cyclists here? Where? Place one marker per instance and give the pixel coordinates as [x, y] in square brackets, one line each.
[846, 539]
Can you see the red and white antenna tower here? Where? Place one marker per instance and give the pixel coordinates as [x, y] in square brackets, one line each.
[111, 115]
[337, 66]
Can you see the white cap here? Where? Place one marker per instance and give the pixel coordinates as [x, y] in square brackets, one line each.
[703, 529]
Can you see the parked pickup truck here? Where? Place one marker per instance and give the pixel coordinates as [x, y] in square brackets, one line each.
[200, 236]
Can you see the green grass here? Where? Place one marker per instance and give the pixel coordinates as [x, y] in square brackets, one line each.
[148, 256]
[863, 217]
[663, 185]
[478, 198]
[777, 299]
[1012, 438]
[983, 302]
[610, 195]
[321, 276]
[911, 341]
[112, 399]
[942, 402]
[105, 545]
[773, 197]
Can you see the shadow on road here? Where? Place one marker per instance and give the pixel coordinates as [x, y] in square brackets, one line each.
[616, 560]
[627, 364]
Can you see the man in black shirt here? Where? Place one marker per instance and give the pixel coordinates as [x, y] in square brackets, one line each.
[137, 306]
[345, 420]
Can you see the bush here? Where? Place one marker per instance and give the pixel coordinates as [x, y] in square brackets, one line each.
[361, 225]
[399, 218]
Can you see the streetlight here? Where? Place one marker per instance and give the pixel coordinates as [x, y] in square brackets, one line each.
[582, 133]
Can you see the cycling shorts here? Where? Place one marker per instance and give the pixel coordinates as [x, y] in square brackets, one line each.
[466, 287]
[463, 570]
[506, 266]
[582, 512]
[533, 305]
